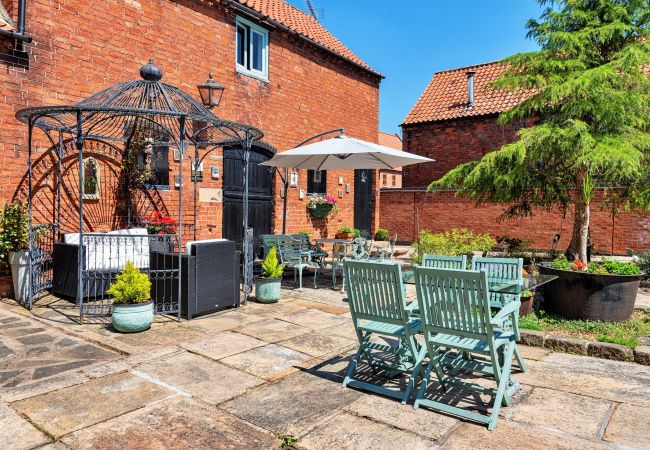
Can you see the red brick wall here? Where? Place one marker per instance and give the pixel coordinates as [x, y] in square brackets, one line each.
[80, 48]
[402, 212]
[451, 143]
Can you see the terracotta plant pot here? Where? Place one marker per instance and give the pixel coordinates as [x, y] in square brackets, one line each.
[346, 236]
[526, 306]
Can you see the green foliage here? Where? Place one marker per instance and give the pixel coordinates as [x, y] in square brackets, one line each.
[306, 233]
[131, 286]
[14, 229]
[451, 243]
[641, 259]
[527, 293]
[287, 439]
[346, 229]
[624, 333]
[604, 267]
[590, 101]
[357, 232]
[271, 268]
[381, 234]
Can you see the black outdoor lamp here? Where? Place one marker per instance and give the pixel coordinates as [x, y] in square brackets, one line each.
[211, 92]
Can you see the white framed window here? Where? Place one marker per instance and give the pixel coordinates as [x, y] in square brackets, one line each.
[90, 178]
[252, 49]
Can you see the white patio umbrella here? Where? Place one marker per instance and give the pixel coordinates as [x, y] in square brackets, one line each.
[343, 152]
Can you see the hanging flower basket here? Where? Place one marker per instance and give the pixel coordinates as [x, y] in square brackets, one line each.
[320, 206]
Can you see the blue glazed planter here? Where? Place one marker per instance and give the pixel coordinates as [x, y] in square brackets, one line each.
[132, 318]
[267, 290]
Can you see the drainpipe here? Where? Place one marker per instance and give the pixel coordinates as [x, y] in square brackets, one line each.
[19, 35]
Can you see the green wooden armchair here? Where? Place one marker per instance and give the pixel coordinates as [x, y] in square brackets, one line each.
[504, 270]
[444, 262]
[457, 322]
[378, 306]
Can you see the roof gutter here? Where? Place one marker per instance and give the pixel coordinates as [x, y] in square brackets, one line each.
[20, 34]
[261, 17]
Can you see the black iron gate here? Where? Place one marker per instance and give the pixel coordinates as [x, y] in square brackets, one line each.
[363, 200]
[260, 209]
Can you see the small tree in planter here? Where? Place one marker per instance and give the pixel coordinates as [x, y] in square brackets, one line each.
[268, 284]
[14, 246]
[132, 307]
[590, 95]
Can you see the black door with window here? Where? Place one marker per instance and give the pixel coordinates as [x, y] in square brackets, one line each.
[260, 194]
[363, 200]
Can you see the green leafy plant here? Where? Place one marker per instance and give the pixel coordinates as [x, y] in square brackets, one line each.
[14, 229]
[587, 116]
[604, 267]
[451, 243]
[306, 233]
[641, 259]
[357, 232]
[513, 247]
[347, 229]
[271, 268]
[527, 293]
[131, 286]
[381, 234]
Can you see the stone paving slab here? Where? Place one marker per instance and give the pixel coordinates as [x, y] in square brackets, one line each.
[292, 405]
[581, 416]
[319, 344]
[350, 432]
[315, 319]
[173, 424]
[325, 307]
[40, 387]
[345, 330]
[222, 344]
[269, 362]
[391, 412]
[163, 335]
[608, 380]
[223, 321]
[630, 427]
[70, 409]
[512, 435]
[273, 310]
[202, 377]
[16, 433]
[272, 330]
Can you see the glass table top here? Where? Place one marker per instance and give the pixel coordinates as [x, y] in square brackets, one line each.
[499, 284]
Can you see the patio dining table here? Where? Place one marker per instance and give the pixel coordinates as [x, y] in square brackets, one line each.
[501, 285]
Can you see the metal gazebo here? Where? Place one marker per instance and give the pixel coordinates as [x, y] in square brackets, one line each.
[152, 114]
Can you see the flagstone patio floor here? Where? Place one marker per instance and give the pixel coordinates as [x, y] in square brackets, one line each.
[246, 378]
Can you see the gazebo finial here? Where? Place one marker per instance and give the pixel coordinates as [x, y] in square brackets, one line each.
[151, 72]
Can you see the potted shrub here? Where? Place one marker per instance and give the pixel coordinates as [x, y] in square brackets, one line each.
[381, 234]
[320, 206]
[345, 232]
[604, 290]
[268, 284]
[14, 246]
[132, 306]
[526, 298]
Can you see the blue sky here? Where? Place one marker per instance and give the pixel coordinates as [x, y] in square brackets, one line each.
[408, 41]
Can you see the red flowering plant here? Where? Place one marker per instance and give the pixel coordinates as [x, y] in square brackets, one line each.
[160, 223]
[579, 265]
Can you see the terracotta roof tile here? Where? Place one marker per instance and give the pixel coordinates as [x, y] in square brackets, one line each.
[305, 25]
[389, 140]
[446, 95]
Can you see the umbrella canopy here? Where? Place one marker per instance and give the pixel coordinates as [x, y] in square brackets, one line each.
[343, 152]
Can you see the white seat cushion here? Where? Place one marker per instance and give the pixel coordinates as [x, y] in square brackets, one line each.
[188, 246]
[112, 254]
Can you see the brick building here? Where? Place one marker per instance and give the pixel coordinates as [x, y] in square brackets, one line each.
[283, 73]
[455, 121]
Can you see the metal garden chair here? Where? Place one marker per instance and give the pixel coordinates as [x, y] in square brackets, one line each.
[444, 262]
[295, 255]
[378, 306]
[457, 322]
[359, 251]
[504, 270]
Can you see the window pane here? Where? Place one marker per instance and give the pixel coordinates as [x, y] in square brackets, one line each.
[257, 50]
[160, 166]
[316, 185]
[241, 45]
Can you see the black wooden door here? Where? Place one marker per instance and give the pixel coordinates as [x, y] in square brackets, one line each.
[363, 200]
[260, 194]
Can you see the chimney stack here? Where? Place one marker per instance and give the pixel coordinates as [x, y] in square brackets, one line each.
[470, 89]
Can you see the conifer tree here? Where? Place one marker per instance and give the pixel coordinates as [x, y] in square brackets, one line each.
[590, 106]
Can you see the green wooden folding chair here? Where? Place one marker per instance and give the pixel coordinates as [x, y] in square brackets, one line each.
[444, 262]
[502, 271]
[378, 306]
[457, 322]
